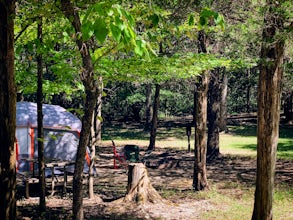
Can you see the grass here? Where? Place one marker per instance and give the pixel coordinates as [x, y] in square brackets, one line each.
[241, 140]
[234, 201]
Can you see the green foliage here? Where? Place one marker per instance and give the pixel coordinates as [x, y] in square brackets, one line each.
[60, 69]
[161, 68]
[113, 27]
[209, 17]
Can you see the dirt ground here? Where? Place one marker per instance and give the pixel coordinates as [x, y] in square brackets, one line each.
[168, 170]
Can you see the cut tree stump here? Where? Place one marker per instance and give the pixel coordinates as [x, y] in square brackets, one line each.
[139, 187]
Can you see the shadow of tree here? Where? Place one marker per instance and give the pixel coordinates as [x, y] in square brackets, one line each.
[169, 171]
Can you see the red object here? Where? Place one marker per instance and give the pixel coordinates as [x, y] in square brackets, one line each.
[17, 153]
[118, 156]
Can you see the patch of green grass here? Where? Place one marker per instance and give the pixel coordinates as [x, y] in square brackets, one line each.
[242, 140]
[237, 203]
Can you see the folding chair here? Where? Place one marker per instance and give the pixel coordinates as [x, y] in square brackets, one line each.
[119, 157]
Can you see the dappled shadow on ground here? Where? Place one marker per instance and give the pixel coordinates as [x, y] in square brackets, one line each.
[168, 170]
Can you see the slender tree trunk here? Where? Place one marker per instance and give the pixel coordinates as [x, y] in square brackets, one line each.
[99, 119]
[92, 147]
[200, 181]
[155, 118]
[200, 146]
[41, 163]
[148, 107]
[248, 92]
[213, 115]
[95, 140]
[7, 112]
[91, 95]
[288, 103]
[269, 91]
[223, 104]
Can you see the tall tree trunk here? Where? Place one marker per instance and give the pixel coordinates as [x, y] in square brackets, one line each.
[92, 147]
[7, 112]
[99, 119]
[269, 91]
[91, 95]
[248, 88]
[41, 163]
[148, 107]
[95, 140]
[288, 104]
[223, 104]
[213, 115]
[153, 132]
[200, 146]
[200, 181]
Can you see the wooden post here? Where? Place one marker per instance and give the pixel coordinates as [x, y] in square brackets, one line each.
[188, 133]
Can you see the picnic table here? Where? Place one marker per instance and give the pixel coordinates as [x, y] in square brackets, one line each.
[56, 167]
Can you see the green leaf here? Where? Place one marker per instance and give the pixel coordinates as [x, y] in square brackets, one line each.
[116, 32]
[101, 31]
[155, 20]
[119, 23]
[140, 47]
[203, 21]
[191, 20]
[87, 30]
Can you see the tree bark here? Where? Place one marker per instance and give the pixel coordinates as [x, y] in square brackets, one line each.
[200, 181]
[288, 104]
[139, 187]
[223, 104]
[7, 112]
[41, 163]
[148, 107]
[92, 147]
[269, 90]
[200, 146]
[248, 88]
[91, 95]
[213, 115]
[96, 139]
[153, 132]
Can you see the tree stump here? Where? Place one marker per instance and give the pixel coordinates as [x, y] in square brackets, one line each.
[139, 187]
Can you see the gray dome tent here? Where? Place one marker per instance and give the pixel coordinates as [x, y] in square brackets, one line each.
[61, 133]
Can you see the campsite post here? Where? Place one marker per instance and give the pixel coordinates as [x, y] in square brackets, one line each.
[188, 133]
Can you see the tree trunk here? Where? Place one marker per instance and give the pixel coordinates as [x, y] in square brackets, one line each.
[92, 147]
[95, 139]
[139, 187]
[148, 107]
[41, 163]
[200, 146]
[248, 92]
[288, 104]
[7, 112]
[213, 115]
[223, 103]
[155, 118]
[200, 181]
[269, 91]
[99, 120]
[91, 95]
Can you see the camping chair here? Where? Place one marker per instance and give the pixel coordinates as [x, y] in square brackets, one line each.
[118, 157]
[130, 154]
